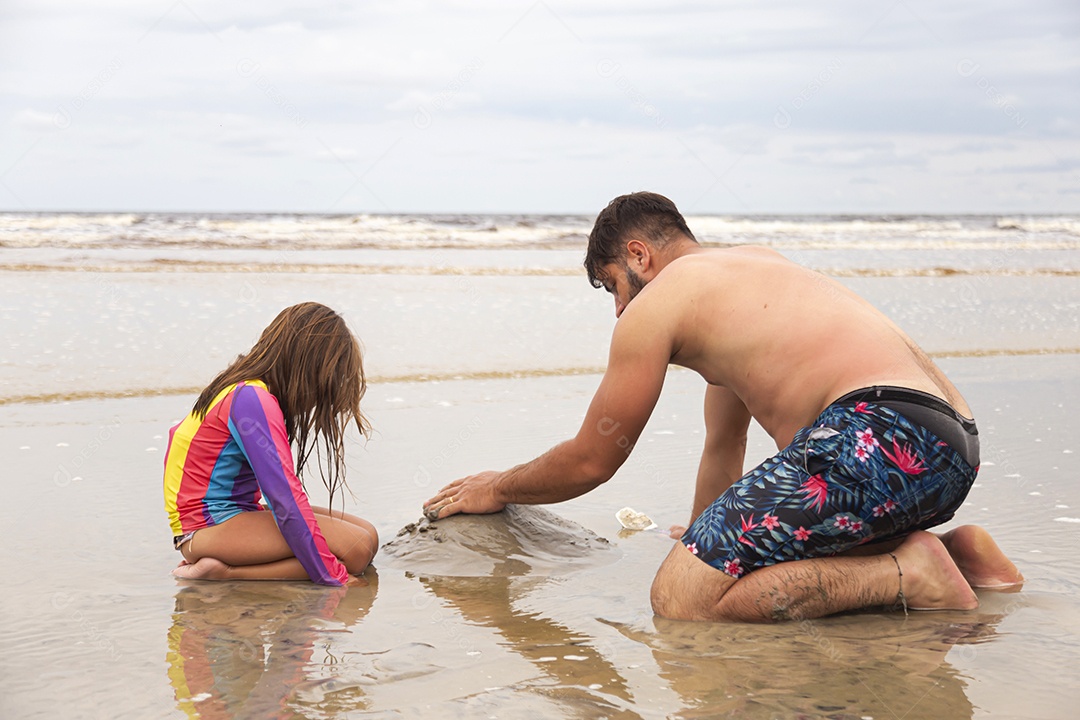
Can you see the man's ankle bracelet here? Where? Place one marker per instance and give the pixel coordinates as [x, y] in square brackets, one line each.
[901, 600]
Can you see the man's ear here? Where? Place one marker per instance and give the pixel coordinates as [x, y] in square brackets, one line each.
[638, 254]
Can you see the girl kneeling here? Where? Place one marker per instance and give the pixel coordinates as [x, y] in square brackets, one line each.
[301, 383]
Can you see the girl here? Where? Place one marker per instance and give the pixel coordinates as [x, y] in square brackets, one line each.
[302, 384]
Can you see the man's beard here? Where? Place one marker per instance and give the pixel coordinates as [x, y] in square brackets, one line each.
[634, 281]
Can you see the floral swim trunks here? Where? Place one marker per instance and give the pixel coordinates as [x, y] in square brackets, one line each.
[862, 473]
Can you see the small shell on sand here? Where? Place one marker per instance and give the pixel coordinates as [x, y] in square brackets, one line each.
[633, 520]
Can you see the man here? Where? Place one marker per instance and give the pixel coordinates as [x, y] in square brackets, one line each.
[876, 445]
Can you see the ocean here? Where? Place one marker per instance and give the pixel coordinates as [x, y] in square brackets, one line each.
[521, 243]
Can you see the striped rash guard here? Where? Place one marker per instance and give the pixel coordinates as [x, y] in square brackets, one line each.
[238, 454]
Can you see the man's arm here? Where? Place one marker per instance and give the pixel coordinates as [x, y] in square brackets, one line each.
[641, 347]
[726, 423]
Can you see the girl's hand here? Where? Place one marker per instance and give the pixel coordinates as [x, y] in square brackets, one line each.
[474, 495]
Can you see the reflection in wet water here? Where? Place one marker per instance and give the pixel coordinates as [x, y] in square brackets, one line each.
[288, 649]
[520, 550]
[850, 666]
[239, 650]
[574, 672]
[857, 665]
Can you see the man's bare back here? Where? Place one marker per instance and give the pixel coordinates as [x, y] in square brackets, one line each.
[785, 339]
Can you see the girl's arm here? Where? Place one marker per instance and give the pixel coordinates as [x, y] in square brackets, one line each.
[255, 420]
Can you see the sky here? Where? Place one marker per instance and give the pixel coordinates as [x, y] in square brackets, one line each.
[540, 106]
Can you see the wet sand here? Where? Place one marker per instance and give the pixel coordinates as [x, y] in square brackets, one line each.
[93, 625]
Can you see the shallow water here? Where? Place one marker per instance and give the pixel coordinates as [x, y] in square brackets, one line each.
[76, 335]
[92, 625]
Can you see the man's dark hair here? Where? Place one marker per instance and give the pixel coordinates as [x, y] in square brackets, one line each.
[645, 215]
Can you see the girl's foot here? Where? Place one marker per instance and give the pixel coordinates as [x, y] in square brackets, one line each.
[204, 569]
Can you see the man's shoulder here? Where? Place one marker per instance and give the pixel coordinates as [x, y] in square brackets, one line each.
[735, 263]
[711, 267]
[657, 309]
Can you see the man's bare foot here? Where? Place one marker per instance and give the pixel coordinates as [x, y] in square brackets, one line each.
[980, 559]
[931, 580]
[204, 569]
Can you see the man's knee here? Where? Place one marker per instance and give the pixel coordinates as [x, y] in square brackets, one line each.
[660, 596]
[685, 588]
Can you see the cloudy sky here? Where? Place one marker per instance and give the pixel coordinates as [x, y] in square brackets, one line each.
[860, 106]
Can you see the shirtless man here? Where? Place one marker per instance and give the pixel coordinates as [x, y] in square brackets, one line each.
[875, 444]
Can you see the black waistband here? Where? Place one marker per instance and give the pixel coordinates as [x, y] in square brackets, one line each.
[885, 394]
[933, 413]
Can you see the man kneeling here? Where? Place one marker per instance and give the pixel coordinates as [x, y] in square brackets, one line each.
[876, 444]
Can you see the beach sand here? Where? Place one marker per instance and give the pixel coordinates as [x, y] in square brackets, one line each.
[94, 626]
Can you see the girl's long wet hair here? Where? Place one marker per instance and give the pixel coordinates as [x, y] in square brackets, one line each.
[312, 364]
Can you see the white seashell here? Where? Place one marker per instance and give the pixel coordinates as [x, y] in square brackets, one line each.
[633, 520]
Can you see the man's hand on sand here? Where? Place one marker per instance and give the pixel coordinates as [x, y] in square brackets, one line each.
[474, 495]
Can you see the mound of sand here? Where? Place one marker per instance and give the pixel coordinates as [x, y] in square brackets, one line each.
[520, 540]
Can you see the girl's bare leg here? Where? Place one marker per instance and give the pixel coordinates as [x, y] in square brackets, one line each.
[209, 568]
[249, 546]
[354, 540]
